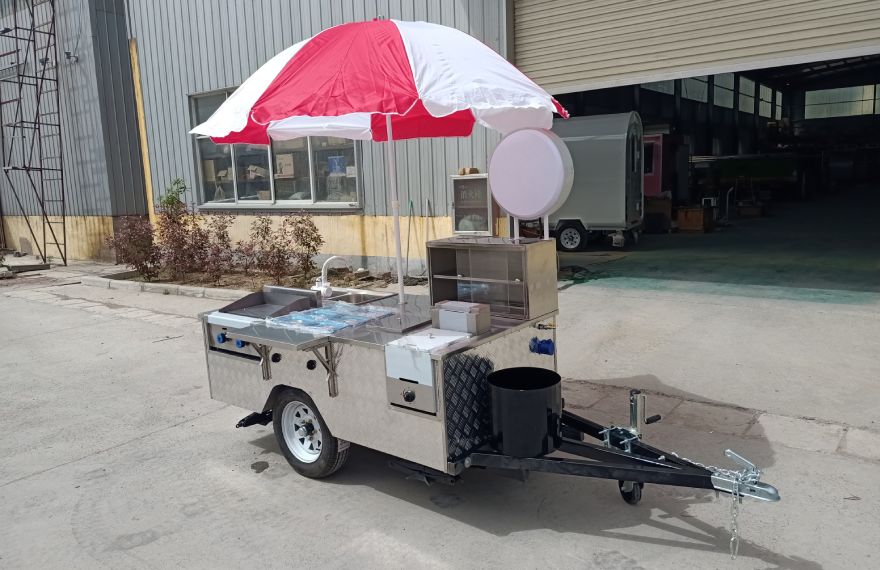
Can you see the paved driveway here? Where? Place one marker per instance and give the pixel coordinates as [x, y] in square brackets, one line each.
[112, 455]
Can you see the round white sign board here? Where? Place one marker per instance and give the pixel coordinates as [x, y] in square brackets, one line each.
[530, 173]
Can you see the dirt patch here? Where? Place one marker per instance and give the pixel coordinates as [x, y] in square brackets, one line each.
[256, 281]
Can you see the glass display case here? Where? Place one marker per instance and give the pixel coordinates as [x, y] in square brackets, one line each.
[516, 278]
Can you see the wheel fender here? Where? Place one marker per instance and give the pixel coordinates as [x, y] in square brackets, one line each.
[569, 222]
[276, 393]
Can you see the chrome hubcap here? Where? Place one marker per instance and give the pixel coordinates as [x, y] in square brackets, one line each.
[301, 431]
[570, 238]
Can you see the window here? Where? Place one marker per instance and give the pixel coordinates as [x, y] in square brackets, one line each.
[335, 169]
[291, 174]
[765, 105]
[649, 158]
[216, 172]
[252, 178]
[778, 111]
[695, 89]
[746, 95]
[723, 90]
[840, 102]
[308, 171]
[667, 87]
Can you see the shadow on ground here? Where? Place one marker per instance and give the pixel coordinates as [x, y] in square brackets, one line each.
[818, 250]
[497, 503]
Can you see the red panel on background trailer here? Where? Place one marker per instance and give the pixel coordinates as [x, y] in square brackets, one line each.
[653, 165]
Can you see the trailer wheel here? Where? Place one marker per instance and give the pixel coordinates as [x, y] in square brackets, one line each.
[304, 438]
[634, 494]
[571, 237]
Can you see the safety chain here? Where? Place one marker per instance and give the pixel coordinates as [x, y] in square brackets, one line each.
[742, 477]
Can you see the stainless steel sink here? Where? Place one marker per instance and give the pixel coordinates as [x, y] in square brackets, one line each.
[357, 297]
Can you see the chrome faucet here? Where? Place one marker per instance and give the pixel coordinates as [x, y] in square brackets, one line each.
[321, 283]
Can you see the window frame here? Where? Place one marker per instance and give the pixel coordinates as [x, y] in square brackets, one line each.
[273, 202]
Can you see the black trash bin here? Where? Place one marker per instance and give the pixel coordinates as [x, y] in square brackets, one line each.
[526, 409]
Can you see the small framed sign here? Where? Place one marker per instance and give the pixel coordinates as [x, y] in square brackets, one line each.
[473, 210]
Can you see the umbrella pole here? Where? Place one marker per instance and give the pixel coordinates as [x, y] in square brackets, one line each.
[395, 207]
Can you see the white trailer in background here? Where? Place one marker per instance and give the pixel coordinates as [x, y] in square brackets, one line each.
[606, 198]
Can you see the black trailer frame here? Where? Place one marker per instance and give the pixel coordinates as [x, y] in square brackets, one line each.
[641, 463]
[622, 455]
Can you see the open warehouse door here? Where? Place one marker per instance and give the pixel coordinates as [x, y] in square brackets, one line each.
[759, 127]
[774, 167]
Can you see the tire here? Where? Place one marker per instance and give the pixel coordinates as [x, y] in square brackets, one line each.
[571, 237]
[304, 438]
[634, 495]
[634, 235]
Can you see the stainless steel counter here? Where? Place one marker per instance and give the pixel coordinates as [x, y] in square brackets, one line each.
[412, 317]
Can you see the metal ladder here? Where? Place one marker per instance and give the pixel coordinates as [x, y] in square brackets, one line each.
[30, 111]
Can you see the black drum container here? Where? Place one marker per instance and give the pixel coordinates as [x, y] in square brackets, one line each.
[526, 410]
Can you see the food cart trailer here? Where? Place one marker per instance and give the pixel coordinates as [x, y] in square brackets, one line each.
[358, 367]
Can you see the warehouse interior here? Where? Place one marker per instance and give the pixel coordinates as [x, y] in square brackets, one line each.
[761, 177]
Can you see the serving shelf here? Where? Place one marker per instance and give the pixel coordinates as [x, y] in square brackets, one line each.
[516, 278]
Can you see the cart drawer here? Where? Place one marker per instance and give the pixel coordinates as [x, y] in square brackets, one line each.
[237, 380]
[412, 395]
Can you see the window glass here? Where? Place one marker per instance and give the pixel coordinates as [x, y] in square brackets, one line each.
[839, 102]
[661, 86]
[724, 97]
[649, 158]
[291, 170]
[746, 95]
[336, 169]
[252, 173]
[216, 170]
[723, 90]
[765, 106]
[724, 80]
[695, 89]
[778, 110]
[206, 105]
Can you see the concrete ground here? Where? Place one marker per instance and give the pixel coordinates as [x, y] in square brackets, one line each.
[113, 455]
[761, 337]
[779, 314]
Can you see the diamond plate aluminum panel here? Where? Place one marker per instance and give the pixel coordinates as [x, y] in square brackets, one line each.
[466, 388]
[237, 381]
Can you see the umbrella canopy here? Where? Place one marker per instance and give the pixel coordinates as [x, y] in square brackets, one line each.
[382, 80]
[435, 81]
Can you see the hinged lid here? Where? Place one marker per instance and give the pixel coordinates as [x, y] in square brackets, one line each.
[428, 339]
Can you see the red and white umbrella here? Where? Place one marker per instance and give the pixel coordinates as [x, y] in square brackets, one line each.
[382, 80]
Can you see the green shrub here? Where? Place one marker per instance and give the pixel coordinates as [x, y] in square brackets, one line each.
[183, 241]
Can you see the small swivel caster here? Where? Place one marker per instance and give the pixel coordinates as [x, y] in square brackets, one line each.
[631, 491]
